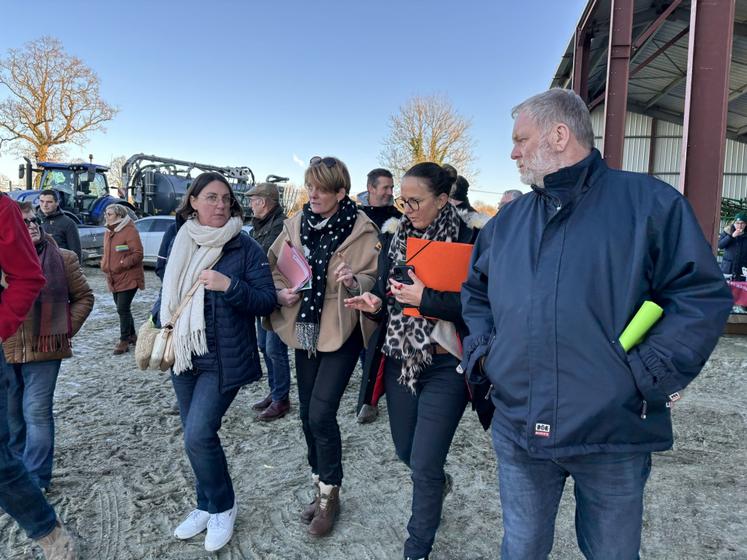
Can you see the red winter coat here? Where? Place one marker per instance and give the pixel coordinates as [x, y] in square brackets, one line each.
[22, 277]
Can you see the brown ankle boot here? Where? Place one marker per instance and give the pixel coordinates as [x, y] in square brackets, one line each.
[308, 512]
[121, 347]
[326, 514]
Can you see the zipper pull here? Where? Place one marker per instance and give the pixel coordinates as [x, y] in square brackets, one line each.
[644, 409]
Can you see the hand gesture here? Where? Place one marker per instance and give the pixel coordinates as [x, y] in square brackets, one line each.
[287, 297]
[409, 294]
[344, 274]
[214, 280]
[366, 302]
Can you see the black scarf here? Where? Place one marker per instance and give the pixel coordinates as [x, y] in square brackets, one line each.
[320, 238]
[408, 338]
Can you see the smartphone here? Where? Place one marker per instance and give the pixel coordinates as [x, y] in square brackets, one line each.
[399, 273]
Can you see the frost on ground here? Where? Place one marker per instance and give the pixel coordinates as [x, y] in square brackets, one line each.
[122, 481]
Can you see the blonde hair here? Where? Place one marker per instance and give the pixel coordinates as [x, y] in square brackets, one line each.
[328, 179]
[118, 209]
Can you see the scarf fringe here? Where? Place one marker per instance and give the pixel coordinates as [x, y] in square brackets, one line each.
[51, 343]
[308, 336]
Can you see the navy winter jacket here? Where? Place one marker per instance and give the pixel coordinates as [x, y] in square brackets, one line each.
[556, 276]
[230, 316]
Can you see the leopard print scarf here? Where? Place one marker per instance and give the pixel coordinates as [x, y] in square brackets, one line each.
[409, 338]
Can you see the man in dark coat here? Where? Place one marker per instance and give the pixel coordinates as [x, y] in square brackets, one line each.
[379, 202]
[267, 224]
[551, 287]
[60, 226]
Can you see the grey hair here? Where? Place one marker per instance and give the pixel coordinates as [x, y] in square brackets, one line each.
[118, 209]
[558, 105]
[513, 193]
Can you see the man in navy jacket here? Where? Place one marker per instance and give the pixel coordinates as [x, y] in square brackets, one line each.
[555, 277]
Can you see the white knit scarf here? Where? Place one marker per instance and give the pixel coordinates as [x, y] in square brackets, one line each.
[196, 248]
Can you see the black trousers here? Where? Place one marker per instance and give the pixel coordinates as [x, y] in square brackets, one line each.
[423, 425]
[322, 380]
[123, 301]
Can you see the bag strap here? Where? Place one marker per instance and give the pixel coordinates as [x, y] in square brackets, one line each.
[188, 296]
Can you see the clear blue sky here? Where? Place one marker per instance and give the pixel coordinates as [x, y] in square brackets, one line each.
[255, 83]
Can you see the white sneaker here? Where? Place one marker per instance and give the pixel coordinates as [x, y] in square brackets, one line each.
[194, 524]
[220, 529]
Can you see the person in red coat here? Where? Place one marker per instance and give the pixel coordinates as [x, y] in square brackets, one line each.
[22, 280]
[122, 264]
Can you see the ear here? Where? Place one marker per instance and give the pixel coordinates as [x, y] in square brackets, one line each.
[443, 200]
[340, 195]
[560, 135]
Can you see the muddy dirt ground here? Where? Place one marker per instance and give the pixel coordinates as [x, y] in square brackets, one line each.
[122, 481]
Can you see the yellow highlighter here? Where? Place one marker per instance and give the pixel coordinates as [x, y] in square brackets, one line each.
[640, 324]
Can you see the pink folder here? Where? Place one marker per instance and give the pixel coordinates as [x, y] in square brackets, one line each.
[292, 264]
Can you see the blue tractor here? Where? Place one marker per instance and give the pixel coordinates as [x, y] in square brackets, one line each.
[82, 189]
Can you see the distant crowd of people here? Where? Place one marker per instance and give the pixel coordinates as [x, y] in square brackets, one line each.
[530, 340]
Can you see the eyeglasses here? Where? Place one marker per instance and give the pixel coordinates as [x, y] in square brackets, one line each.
[330, 162]
[212, 199]
[29, 221]
[412, 203]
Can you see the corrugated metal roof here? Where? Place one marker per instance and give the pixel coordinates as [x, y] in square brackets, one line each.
[658, 89]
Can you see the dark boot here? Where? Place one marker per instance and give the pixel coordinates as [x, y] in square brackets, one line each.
[121, 347]
[264, 403]
[326, 513]
[367, 414]
[276, 410]
[308, 512]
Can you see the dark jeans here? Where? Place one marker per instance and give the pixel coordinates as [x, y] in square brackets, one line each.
[321, 382]
[423, 425]
[19, 496]
[30, 419]
[201, 408]
[609, 501]
[275, 352]
[123, 301]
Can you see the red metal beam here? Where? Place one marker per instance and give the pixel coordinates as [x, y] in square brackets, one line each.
[654, 27]
[582, 44]
[658, 51]
[704, 137]
[616, 95]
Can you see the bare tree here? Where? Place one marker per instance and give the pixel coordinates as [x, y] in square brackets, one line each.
[428, 129]
[114, 175]
[289, 194]
[52, 100]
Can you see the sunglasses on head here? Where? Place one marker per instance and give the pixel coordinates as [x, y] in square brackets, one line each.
[330, 162]
[29, 221]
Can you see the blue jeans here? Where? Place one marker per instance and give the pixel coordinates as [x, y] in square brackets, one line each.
[201, 408]
[275, 352]
[30, 419]
[609, 501]
[423, 425]
[19, 496]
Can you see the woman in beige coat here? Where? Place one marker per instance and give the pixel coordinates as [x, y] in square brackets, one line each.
[341, 246]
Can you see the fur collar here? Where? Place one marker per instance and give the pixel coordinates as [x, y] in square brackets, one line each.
[475, 220]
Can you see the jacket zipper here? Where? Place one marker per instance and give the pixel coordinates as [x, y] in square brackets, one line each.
[644, 409]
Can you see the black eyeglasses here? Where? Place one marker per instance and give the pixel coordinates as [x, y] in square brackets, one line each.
[412, 203]
[330, 162]
[29, 221]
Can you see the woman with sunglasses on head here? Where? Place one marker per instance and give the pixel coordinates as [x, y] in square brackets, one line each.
[214, 338]
[340, 244]
[426, 396]
[122, 264]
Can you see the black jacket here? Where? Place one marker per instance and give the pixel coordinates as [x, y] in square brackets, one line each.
[735, 253]
[63, 229]
[434, 303]
[380, 214]
[265, 230]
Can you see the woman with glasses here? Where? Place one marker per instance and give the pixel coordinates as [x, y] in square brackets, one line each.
[426, 396]
[122, 264]
[214, 338]
[36, 350]
[340, 244]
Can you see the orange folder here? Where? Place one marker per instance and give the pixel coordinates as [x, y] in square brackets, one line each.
[440, 265]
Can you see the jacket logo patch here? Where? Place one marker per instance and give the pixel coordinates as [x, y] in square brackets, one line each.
[542, 430]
